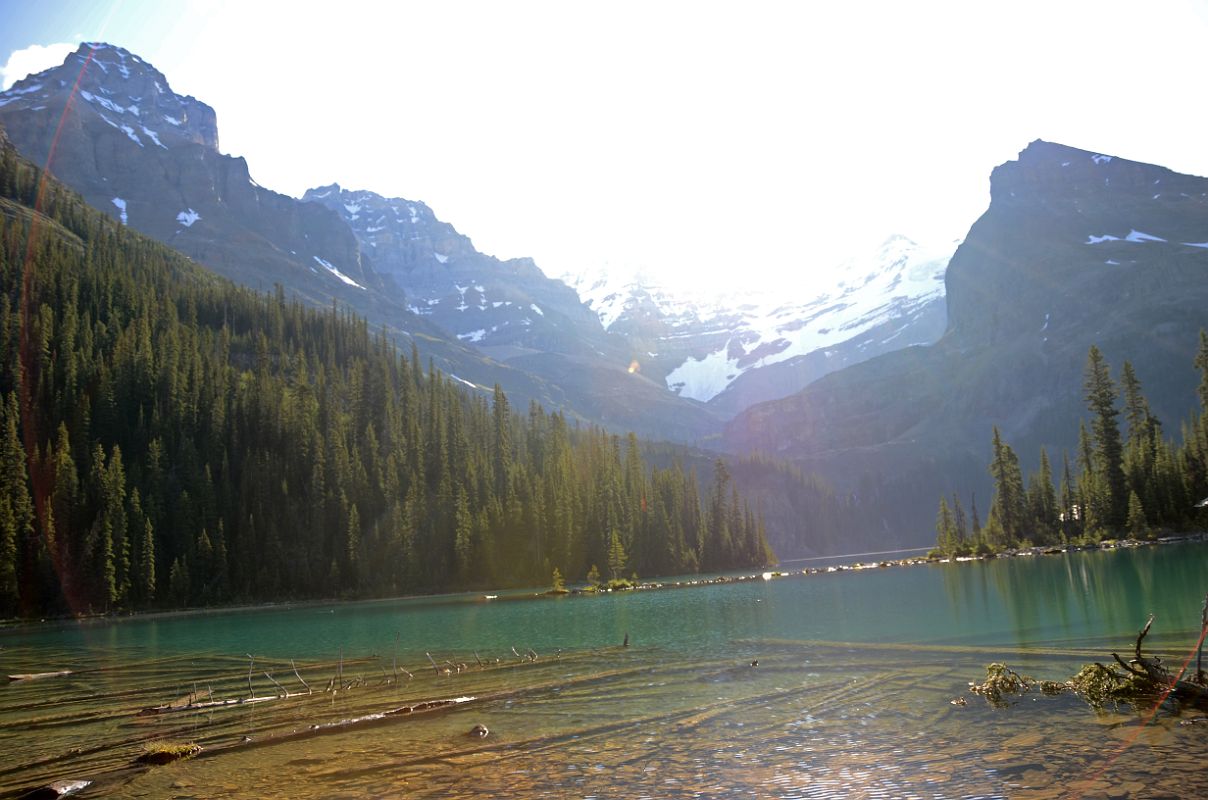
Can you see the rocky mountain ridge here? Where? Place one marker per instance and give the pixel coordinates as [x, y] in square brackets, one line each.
[498, 306]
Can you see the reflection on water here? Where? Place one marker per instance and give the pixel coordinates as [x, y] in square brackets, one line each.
[680, 713]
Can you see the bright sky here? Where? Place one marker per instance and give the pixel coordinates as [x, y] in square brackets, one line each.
[701, 141]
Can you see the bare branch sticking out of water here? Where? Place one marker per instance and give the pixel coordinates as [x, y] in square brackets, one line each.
[299, 677]
[1143, 680]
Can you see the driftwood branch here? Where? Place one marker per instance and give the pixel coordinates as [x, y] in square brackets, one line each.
[284, 691]
[299, 677]
[1151, 668]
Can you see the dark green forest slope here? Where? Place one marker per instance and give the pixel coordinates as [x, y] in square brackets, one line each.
[168, 438]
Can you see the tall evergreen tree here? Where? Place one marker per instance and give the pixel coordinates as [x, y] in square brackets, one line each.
[1008, 506]
[16, 508]
[945, 529]
[1201, 363]
[961, 524]
[1108, 469]
[1042, 502]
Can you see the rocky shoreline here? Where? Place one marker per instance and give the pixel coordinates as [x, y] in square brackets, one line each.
[1023, 552]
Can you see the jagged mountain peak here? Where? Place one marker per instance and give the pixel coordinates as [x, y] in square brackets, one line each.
[126, 92]
[149, 156]
[404, 236]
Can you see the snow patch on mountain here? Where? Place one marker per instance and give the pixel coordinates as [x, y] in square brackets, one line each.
[121, 207]
[1135, 236]
[133, 136]
[703, 378]
[330, 268]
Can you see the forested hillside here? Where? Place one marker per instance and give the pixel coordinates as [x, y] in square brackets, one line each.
[168, 438]
[1138, 482]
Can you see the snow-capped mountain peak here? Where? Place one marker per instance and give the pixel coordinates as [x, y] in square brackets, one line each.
[706, 345]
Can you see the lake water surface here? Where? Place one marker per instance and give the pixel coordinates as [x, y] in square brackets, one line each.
[851, 696]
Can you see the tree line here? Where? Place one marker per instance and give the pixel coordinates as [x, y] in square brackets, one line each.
[1130, 482]
[168, 439]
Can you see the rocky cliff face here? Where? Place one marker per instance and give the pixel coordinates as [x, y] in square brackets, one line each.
[1076, 248]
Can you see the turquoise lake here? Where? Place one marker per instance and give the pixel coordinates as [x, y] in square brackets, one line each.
[851, 696]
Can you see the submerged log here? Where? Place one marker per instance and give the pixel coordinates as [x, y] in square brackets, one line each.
[33, 676]
[168, 708]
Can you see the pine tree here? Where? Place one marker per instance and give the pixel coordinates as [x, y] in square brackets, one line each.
[1042, 502]
[945, 529]
[962, 524]
[147, 563]
[463, 541]
[1108, 454]
[1071, 511]
[16, 508]
[1201, 363]
[1137, 525]
[1008, 506]
[616, 555]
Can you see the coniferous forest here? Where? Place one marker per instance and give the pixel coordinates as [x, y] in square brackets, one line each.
[1134, 482]
[169, 439]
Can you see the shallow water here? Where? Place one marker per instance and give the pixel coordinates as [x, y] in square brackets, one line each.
[850, 698]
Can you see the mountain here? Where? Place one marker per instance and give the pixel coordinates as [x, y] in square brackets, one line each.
[510, 311]
[149, 157]
[751, 345]
[502, 307]
[173, 439]
[1076, 248]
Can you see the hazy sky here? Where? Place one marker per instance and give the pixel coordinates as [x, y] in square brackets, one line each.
[702, 141]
